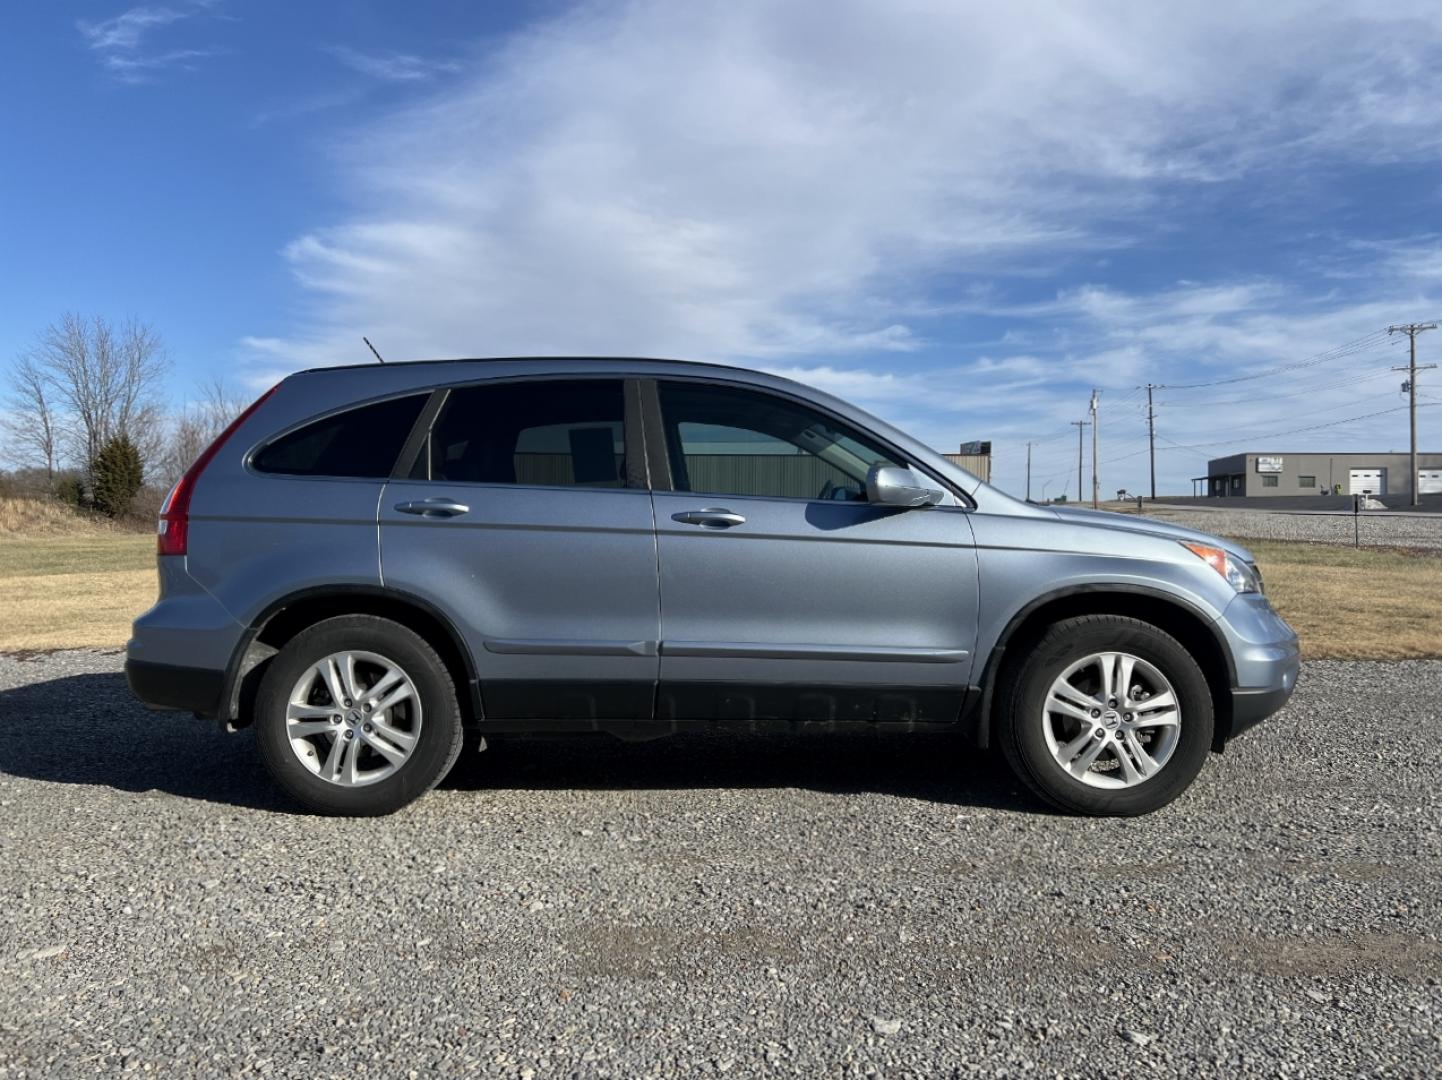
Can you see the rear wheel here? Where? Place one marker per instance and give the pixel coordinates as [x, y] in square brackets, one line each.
[1106, 715]
[357, 716]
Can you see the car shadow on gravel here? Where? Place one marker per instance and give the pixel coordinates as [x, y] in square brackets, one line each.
[939, 768]
[88, 729]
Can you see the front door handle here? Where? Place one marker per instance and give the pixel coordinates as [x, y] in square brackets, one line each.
[712, 517]
[433, 508]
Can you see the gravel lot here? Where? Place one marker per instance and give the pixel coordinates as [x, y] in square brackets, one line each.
[801, 905]
[1376, 528]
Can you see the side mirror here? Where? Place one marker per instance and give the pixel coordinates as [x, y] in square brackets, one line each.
[890, 485]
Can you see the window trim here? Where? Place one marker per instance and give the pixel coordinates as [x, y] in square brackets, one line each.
[248, 461]
[658, 434]
[636, 478]
[420, 435]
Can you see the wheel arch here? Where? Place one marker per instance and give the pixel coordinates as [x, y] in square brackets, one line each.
[1182, 620]
[287, 616]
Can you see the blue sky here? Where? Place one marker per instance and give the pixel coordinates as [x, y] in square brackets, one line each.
[963, 216]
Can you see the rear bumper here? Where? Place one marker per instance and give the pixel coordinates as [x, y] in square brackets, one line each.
[169, 686]
[179, 650]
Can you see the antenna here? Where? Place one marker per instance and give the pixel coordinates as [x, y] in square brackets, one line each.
[372, 348]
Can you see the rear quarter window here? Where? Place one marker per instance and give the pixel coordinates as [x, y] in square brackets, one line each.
[362, 442]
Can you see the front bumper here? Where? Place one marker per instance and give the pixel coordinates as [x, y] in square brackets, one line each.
[1251, 707]
[1266, 659]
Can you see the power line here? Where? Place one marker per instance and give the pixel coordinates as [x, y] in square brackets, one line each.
[1306, 383]
[1271, 434]
[1351, 348]
[1312, 388]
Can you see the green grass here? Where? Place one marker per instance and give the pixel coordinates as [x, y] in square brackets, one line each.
[35, 557]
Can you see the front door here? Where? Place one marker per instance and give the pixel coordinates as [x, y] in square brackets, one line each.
[784, 594]
[526, 517]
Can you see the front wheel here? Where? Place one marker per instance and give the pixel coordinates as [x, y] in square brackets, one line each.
[357, 716]
[1106, 715]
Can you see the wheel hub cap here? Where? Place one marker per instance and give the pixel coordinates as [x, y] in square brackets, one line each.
[1111, 720]
[353, 718]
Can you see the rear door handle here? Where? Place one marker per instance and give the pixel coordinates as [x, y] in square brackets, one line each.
[712, 517]
[433, 508]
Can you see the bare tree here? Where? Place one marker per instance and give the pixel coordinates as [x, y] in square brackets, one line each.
[197, 426]
[87, 382]
[108, 381]
[32, 428]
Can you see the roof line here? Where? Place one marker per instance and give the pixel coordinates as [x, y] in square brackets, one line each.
[522, 359]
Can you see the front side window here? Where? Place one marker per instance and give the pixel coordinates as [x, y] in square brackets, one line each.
[728, 441]
[362, 442]
[1307, 481]
[1269, 481]
[548, 433]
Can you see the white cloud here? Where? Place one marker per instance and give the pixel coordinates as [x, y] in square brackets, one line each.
[120, 42]
[126, 30]
[393, 67]
[747, 181]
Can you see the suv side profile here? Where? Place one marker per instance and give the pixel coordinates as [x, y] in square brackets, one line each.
[372, 561]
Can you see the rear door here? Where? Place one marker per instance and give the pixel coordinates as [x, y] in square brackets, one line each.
[784, 594]
[525, 516]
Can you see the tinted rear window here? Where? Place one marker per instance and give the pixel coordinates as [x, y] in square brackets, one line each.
[361, 442]
[550, 433]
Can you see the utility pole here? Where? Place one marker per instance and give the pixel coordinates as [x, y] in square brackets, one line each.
[1152, 436]
[1096, 484]
[1412, 330]
[1028, 472]
[1081, 426]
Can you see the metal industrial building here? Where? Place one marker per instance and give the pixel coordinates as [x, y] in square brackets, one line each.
[1312, 473]
[974, 457]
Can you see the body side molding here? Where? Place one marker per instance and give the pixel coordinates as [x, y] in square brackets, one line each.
[762, 650]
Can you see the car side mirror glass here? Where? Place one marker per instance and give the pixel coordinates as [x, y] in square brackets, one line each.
[891, 485]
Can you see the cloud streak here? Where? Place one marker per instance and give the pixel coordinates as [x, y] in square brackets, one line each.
[120, 42]
[393, 67]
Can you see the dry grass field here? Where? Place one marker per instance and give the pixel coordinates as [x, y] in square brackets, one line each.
[70, 582]
[60, 592]
[1351, 604]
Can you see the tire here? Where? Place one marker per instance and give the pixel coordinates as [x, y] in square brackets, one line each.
[1040, 722]
[399, 741]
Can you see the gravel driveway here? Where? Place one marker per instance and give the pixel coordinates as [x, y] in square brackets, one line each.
[802, 905]
[1373, 528]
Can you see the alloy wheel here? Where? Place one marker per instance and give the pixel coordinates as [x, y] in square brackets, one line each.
[1111, 720]
[353, 718]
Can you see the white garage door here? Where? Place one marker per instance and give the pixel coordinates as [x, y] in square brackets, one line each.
[1364, 480]
[1429, 481]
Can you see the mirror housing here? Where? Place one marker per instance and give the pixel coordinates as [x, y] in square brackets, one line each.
[891, 485]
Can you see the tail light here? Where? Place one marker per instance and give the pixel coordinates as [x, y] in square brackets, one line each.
[173, 531]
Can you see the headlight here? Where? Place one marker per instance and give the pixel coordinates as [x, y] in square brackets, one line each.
[1240, 576]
